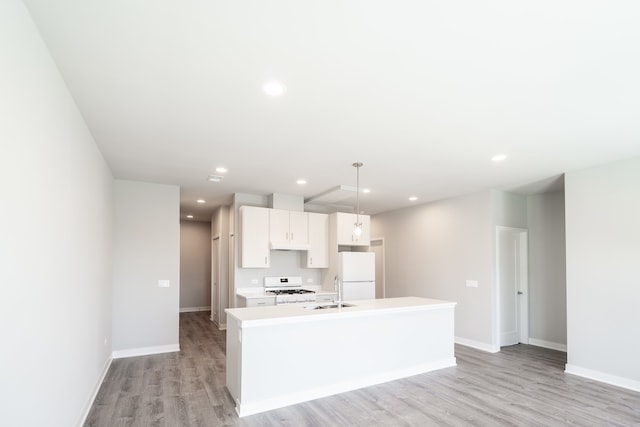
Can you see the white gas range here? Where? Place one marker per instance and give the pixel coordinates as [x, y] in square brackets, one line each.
[288, 290]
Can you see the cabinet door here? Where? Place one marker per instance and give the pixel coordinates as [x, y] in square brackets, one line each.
[259, 302]
[318, 253]
[279, 225]
[298, 227]
[365, 237]
[326, 297]
[254, 237]
[345, 225]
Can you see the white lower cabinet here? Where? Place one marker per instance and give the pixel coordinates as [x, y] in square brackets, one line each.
[244, 301]
[326, 296]
[258, 302]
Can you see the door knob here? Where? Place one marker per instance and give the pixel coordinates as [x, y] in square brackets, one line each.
[520, 292]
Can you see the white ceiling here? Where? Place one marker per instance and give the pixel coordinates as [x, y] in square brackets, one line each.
[423, 92]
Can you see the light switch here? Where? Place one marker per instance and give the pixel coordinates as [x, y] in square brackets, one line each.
[472, 283]
[310, 280]
[164, 283]
[254, 281]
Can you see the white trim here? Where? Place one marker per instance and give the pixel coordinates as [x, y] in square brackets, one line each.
[384, 269]
[220, 326]
[192, 309]
[548, 344]
[602, 377]
[278, 402]
[477, 345]
[96, 389]
[144, 351]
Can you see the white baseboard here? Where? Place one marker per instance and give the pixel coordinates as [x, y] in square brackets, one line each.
[548, 344]
[145, 351]
[603, 377]
[477, 345]
[96, 389]
[193, 309]
[220, 326]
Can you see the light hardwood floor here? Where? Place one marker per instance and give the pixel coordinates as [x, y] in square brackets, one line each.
[522, 385]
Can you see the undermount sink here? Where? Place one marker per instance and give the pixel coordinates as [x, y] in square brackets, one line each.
[325, 306]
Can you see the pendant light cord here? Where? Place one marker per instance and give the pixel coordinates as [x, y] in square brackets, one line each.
[358, 226]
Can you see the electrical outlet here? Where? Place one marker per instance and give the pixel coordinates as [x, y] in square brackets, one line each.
[471, 283]
[310, 280]
[164, 283]
[254, 281]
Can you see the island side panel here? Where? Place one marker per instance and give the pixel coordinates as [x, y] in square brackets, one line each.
[233, 357]
[333, 355]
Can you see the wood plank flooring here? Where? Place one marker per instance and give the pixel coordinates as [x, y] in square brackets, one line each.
[520, 386]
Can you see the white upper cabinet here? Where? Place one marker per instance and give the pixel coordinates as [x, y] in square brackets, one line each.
[254, 237]
[318, 252]
[288, 229]
[345, 223]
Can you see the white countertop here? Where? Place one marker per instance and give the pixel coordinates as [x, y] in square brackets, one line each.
[295, 313]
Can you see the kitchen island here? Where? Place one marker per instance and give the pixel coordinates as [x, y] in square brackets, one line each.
[286, 354]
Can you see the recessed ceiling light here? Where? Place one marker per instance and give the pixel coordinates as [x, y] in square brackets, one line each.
[366, 190]
[215, 178]
[413, 198]
[301, 182]
[274, 88]
[190, 216]
[221, 170]
[200, 201]
[499, 158]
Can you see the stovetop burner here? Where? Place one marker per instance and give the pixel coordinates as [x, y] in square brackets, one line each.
[289, 291]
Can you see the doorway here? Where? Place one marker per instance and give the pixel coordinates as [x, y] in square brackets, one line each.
[377, 246]
[512, 286]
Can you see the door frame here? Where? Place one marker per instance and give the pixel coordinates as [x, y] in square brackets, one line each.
[215, 280]
[523, 301]
[383, 264]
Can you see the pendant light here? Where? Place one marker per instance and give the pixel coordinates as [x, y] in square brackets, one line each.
[357, 229]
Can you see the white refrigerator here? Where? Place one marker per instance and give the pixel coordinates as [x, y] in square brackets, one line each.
[357, 275]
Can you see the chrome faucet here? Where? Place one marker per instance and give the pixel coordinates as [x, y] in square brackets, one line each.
[338, 289]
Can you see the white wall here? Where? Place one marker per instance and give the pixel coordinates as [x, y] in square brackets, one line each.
[602, 207]
[509, 209]
[432, 249]
[547, 270]
[147, 249]
[55, 239]
[195, 265]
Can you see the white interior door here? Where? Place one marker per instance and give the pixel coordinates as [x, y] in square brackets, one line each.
[377, 246]
[215, 280]
[512, 286]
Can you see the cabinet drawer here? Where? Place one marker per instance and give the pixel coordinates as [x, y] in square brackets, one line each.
[326, 297]
[257, 302]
